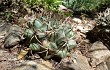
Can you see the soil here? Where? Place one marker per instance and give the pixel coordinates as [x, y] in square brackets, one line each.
[86, 56]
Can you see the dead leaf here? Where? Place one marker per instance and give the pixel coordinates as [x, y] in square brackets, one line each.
[22, 53]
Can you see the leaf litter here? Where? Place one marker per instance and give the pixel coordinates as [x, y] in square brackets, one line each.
[86, 56]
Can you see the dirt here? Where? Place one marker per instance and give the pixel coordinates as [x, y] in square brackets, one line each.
[86, 56]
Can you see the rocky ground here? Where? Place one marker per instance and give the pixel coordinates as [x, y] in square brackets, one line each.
[86, 56]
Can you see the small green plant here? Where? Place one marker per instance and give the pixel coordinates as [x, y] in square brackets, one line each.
[9, 16]
[85, 5]
[50, 36]
[47, 4]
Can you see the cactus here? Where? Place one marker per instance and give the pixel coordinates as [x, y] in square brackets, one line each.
[50, 36]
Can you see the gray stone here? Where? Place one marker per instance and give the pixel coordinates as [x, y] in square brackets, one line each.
[98, 53]
[30, 65]
[76, 62]
[13, 37]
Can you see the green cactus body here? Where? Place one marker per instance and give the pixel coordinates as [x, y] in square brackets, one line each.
[52, 36]
[53, 46]
[37, 24]
[28, 33]
[34, 47]
[71, 44]
[61, 53]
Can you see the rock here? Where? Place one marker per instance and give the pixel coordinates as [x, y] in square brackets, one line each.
[45, 65]
[77, 20]
[4, 28]
[67, 65]
[76, 62]
[98, 54]
[108, 63]
[30, 65]
[102, 66]
[81, 60]
[13, 37]
[11, 40]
